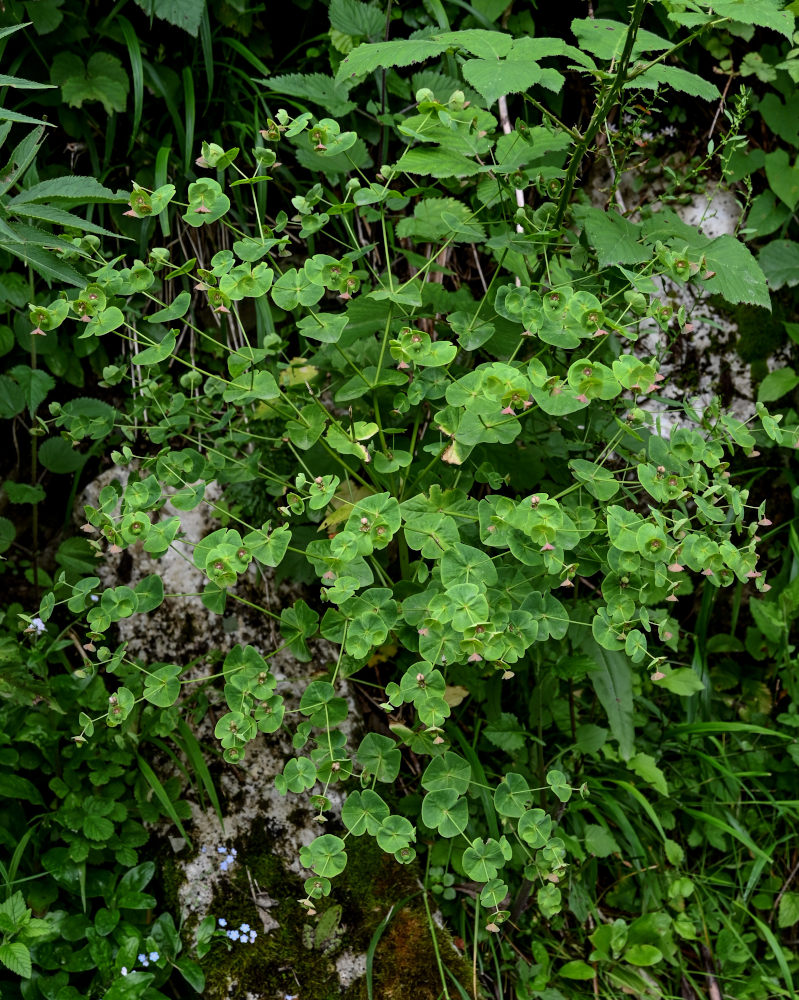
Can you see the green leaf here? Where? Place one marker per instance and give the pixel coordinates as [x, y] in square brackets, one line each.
[14, 786]
[158, 353]
[16, 957]
[439, 162]
[444, 810]
[559, 785]
[788, 913]
[676, 78]
[777, 384]
[351, 17]
[58, 455]
[363, 812]
[192, 973]
[763, 13]
[97, 827]
[186, 14]
[599, 481]
[576, 970]
[59, 217]
[738, 276]
[366, 58]
[612, 680]
[395, 833]
[318, 88]
[506, 732]
[35, 385]
[23, 492]
[439, 218]
[176, 310]
[600, 841]
[483, 859]
[535, 827]
[325, 855]
[70, 191]
[645, 767]
[450, 772]
[162, 686]
[783, 177]
[379, 756]
[7, 534]
[682, 681]
[615, 239]
[605, 39]
[102, 79]
[512, 796]
[643, 954]
[517, 73]
[779, 260]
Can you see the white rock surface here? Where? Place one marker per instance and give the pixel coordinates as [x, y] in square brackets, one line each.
[183, 631]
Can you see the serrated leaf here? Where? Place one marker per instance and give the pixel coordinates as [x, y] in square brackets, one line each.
[102, 79]
[678, 79]
[513, 75]
[643, 764]
[506, 733]
[614, 238]
[351, 17]
[438, 162]
[16, 957]
[367, 58]
[186, 14]
[438, 218]
[75, 190]
[763, 13]
[605, 38]
[738, 276]
[318, 88]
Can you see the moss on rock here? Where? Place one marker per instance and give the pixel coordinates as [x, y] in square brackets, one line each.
[303, 957]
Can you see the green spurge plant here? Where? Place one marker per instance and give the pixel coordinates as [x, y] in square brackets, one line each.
[483, 458]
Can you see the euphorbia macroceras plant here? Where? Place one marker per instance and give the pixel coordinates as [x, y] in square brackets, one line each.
[481, 457]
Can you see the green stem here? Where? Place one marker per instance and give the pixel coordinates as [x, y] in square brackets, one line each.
[432, 926]
[600, 114]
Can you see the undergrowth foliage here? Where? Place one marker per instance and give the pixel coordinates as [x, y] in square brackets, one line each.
[483, 463]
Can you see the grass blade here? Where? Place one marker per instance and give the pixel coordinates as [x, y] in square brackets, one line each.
[190, 116]
[375, 940]
[161, 177]
[193, 751]
[137, 75]
[244, 52]
[160, 793]
[206, 41]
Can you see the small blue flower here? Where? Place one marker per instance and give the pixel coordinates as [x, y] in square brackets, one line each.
[222, 922]
[154, 956]
[204, 849]
[142, 957]
[123, 971]
[233, 935]
[253, 936]
[221, 850]
[244, 927]
[233, 851]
